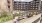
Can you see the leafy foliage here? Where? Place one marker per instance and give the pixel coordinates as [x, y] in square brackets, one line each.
[5, 16]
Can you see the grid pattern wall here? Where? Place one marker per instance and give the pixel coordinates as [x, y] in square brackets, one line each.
[21, 5]
[33, 5]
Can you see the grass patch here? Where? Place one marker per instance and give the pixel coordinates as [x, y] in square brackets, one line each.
[5, 16]
[3, 19]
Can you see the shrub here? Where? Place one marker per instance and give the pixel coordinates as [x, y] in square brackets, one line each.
[3, 19]
[4, 14]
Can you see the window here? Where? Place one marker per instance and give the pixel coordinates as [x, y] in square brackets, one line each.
[35, 0]
[8, 6]
[21, 8]
[19, 5]
[24, 8]
[36, 8]
[17, 8]
[37, 3]
[15, 2]
[25, 4]
[8, 1]
[29, 2]
[34, 5]
[33, 8]
[19, 2]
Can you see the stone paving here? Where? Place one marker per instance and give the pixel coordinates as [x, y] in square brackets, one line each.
[27, 20]
[11, 21]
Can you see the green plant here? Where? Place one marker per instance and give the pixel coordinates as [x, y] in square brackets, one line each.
[3, 19]
[5, 16]
[16, 14]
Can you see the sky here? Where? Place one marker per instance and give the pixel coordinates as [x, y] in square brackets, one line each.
[25, 0]
[41, 0]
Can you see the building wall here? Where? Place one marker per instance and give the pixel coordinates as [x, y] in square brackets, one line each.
[38, 3]
[4, 5]
[11, 5]
[32, 5]
[21, 5]
[41, 5]
[35, 4]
